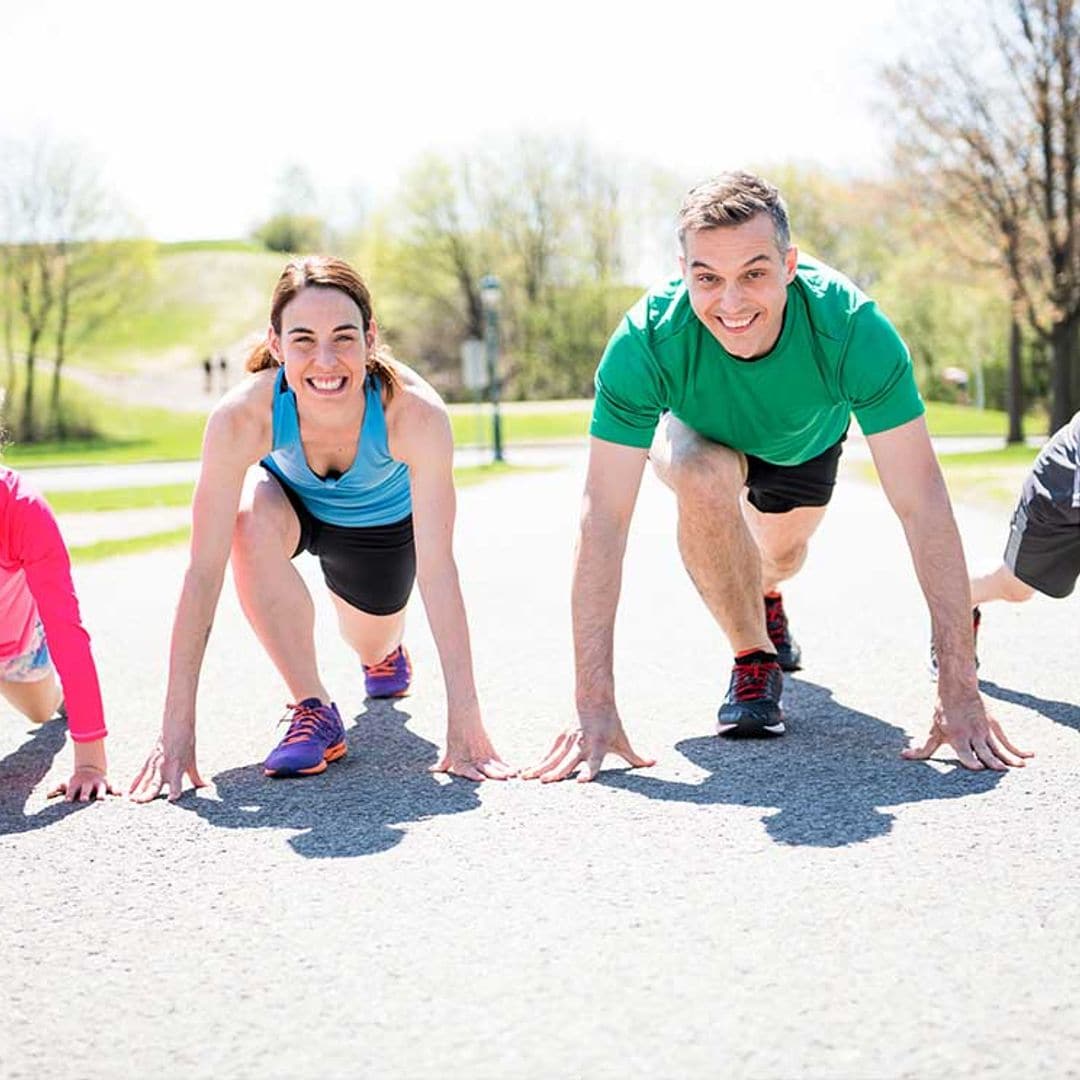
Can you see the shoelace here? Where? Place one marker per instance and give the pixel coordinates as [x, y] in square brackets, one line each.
[386, 667]
[751, 680]
[304, 722]
[775, 620]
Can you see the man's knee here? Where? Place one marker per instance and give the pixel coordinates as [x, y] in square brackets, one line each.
[697, 469]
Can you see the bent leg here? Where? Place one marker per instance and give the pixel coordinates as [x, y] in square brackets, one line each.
[371, 637]
[37, 700]
[272, 593]
[782, 540]
[1000, 584]
[716, 545]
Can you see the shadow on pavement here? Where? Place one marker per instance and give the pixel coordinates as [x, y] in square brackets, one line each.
[829, 777]
[22, 771]
[354, 808]
[1061, 712]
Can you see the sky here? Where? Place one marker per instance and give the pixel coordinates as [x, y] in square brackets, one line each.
[193, 111]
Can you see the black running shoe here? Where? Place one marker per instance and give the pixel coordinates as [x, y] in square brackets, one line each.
[788, 653]
[976, 619]
[752, 706]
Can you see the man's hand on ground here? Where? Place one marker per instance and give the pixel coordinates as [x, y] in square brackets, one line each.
[597, 735]
[974, 734]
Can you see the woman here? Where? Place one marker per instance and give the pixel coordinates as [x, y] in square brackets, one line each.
[356, 461]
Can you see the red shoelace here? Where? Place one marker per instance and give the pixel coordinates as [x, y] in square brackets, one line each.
[751, 680]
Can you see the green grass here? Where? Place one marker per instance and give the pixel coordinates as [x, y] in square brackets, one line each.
[987, 478]
[990, 459]
[136, 498]
[132, 545]
[169, 495]
[200, 299]
[139, 433]
[944, 419]
[470, 430]
[175, 246]
[128, 433]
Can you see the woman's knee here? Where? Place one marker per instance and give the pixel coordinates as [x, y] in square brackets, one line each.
[265, 523]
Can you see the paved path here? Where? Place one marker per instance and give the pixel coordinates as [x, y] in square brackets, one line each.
[812, 907]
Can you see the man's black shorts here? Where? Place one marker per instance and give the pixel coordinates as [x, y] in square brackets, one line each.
[1044, 537]
[371, 567]
[775, 489]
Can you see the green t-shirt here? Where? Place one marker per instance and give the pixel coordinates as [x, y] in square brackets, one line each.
[836, 354]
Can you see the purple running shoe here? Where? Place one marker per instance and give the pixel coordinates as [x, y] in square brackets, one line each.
[390, 677]
[316, 735]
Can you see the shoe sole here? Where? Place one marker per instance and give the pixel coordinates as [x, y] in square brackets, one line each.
[744, 731]
[384, 697]
[333, 753]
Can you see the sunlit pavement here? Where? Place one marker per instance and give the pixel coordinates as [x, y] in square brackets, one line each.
[808, 907]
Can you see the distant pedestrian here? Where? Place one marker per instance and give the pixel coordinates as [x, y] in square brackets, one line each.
[208, 374]
[223, 369]
[45, 661]
[333, 447]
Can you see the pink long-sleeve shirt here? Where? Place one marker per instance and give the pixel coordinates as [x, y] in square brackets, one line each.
[35, 580]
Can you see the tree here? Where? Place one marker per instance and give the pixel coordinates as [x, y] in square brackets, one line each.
[295, 227]
[64, 270]
[987, 125]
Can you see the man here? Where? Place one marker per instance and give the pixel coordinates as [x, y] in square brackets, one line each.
[738, 382]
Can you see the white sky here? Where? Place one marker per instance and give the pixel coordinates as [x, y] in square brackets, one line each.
[193, 109]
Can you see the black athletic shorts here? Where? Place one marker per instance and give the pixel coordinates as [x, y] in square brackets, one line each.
[1044, 538]
[371, 567]
[775, 489]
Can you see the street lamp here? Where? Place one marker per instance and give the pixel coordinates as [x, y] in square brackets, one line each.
[490, 294]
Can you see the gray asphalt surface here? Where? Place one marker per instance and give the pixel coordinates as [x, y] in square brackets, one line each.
[809, 907]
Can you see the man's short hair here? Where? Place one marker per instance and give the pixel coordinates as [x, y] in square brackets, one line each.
[733, 198]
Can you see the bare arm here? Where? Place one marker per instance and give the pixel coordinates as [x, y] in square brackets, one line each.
[913, 483]
[611, 489]
[231, 444]
[423, 439]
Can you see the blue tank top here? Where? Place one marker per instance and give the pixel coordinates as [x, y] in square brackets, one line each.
[374, 490]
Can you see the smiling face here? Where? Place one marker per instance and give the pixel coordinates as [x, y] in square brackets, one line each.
[737, 279]
[323, 345]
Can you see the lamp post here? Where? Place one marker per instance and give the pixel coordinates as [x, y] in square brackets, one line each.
[490, 293]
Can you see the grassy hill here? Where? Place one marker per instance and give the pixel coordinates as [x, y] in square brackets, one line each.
[198, 298]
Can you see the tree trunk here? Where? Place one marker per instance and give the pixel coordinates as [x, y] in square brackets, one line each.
[1063, 348]
[56, 420]
[1015, 396]
[27, 428]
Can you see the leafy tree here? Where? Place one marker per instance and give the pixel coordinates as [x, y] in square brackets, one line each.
[987, 125]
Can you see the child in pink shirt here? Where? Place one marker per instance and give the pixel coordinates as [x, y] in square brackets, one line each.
[40, 626]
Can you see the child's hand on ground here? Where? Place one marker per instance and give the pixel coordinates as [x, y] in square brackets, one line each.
[86, 783]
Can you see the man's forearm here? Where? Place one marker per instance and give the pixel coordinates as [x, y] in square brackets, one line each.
[938, 556]
[595, 598]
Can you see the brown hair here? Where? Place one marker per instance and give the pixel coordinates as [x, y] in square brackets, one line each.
[322, 271]
[733, 198]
